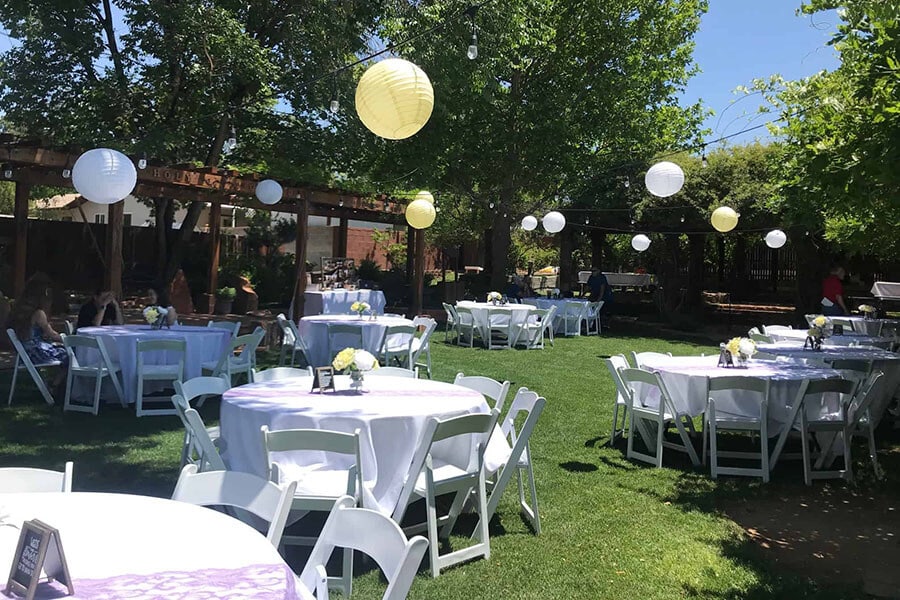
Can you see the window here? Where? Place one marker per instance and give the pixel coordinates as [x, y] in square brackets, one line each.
[100, 219]
[127, 220]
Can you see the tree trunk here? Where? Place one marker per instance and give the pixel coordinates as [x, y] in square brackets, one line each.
[598, 240]
[811, 268]
[669, 275]
[740, 279]
[696, 266]
[566, 279]
[499, 253]
[488, 243]
[720, 261]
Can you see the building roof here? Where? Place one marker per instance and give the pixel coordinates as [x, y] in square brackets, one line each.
[60, 202]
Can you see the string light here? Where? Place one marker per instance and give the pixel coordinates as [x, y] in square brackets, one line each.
[66, 173]
[627, 183]
[142, 163]
[230, 144]
[472, 51]
[491, 205]
[335, 104]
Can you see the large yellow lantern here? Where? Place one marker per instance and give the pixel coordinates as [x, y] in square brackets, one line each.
[724, 219]
[394, 99]
[420, 214]
[426, 196]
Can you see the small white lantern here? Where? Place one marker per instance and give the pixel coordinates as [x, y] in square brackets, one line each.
[640, 242]
[724, 219]
[554, 222]
[426, 196]
[664, 179]
[269, 191]
[104, 176]
[529, 223]
[776, 238]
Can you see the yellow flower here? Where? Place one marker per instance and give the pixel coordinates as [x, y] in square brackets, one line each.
[151, 315]
[355, 307]
[344, 359]
[733, 346]
[820, 321]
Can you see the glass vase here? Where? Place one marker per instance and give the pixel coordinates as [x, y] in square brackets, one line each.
[356, 381]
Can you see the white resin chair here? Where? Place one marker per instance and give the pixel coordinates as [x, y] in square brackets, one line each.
[769, 329]
[239, 358]
[864, 414]
[397, 346]
[20, 480]
[421, 348]
[232, 327]
[531, 332]
[639, 357]
[170, 373]
[24, 362]
[278, 373]
[754, 419]
[429, 477]
[98, 372]
[199, 389]
[615, 364]
[452, 323]
[500, 329]
[485, 386]
[394, 372]
[342, 336]
[465, 326]
[264, 499]
[202, 450]
[573, 316]
[847, 324]
[656, 409]
[550, 322]
[373, 534]
[292, 341]
[69, 327]
[759, 338]
[592, 318]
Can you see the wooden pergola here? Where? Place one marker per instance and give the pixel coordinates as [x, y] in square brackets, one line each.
[28, 164]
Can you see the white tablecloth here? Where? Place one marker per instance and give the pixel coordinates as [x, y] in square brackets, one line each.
[142, 548]
[337, 302]
[886, 289]
[560, 304]
[630, 279]
[204, 344]
[482, 311]
[799, 335]
[314, 331]
[872, 326]
[685, 378]
[390, 416]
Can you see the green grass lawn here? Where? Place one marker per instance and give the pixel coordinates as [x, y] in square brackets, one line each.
[611, 528]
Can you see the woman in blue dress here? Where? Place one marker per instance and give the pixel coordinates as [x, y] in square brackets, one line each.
[32, 326]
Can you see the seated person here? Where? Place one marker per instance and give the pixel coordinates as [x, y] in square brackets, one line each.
[155, 298]
[600, 290]
[29, 319]
[102, 309]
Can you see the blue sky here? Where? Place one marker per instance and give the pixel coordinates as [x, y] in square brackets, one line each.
[740, 40]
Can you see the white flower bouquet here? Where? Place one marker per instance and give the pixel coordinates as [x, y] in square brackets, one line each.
[741, 349]
[820, 329]
[360, 308]
[356, 362]
[156, 316]
[867, 310]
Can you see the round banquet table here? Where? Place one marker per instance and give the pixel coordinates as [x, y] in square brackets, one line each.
[314, 331]
[486, 314]
[391, 417]
[143, 548]
[799, 335]
[203, 344]
[866, 326]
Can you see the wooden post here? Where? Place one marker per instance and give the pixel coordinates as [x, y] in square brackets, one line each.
[342, 238]
[300, 257]
[115, 222]
[20, 212]
[410, 252]
[215, 246]
[418, 273]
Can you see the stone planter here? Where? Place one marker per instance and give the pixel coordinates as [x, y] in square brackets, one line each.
[223, 307]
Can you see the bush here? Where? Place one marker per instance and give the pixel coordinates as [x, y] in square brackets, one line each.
[368, 270]
[226, 293]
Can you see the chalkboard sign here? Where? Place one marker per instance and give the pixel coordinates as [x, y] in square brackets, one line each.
[39, 549]
[323, 379]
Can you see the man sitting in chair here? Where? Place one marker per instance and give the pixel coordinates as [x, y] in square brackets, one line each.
[600, 290]
[102, 309]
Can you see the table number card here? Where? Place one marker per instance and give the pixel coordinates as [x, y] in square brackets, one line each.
[39, 549]
[323, 379]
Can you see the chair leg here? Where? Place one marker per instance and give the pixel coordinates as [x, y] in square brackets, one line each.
[660, 430]
[68, 400]
[12, 386]
[764, 445]
[848, 458]
[433, 543]
[98, 383]
[346, 586]
[612, 436]
[713, 442]
[804, 439]
[482, 515]
[536, 523]
[139, 399]
[873, 454]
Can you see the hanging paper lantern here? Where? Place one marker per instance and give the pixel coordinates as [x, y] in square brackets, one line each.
[420, 214]
[776, 238]
[104, 176]
[529, 223]
[640, 242]
[269, 191]
[426, 196]
[664, 179]
[394, 99]
[724, 219]
[554, 222]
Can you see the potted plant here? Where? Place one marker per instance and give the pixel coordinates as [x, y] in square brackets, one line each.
[224, 299]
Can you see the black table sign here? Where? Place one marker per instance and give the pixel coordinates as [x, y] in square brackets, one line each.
[323, 379]
[39, 549]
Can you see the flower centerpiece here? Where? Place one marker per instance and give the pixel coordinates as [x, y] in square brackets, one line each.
[819, 330]
[356, 362]
[741, 350]
[360, 308]
[156, 316]
[495, 298]
[867, 310]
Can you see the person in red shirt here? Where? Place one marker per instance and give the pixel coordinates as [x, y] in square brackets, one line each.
[833, 293]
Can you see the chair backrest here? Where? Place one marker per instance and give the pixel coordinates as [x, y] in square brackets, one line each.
[71, 342]
[486, 386]
[276, 373]
[528, 402]
[20, 350]
[69, 327]
[297, 339]
[287, 336]
[246, 346]
[758, 385]
[202, 386]
[200, 440]
[425, 326]
[594, 308]
[178, 346]
[767, 329]
[373, 534]
[232, 326]
[616, 363]
[630, 377]
[550, 316]
[480, 425]
[342, 335]
[639, 357]
[574, 310]
[393, 372]
[398, 338]
[464, 314]
[753, 331]
[762, 339]
[17, 480]
[847, 324]
[451, 312]
[249, 492]
[870, 401]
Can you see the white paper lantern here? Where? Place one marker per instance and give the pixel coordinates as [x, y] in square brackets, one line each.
[554, 222]
[426, 196]
[724, 219]
[664, 179]
[640, 242]
[420, 214]
[394, 99]
[104, 176]
[269, 191]
[776, 238]
[529, 223]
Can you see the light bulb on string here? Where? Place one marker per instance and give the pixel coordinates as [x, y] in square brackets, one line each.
[627, 183]
[334, 105]
[142, 163]
[472, 50]
[491, 205]
[231, 142]
[66, 173]
[341, 202]
[703, 161]
[682, 218]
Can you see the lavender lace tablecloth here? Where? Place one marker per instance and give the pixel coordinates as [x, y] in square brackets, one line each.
[120, 546]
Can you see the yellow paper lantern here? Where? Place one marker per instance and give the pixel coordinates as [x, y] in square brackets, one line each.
[724, 219]
[426, 196]
[394, 99]
[420, 214]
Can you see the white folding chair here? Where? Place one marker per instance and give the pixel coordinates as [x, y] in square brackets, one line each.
[753, 419]
[753, 331]
[592, 318]
[864, 415]
[485, 386]
[231, 326]
[373, 534]
[452, 323]
[197, 388]
[655, 408]
[616, 363]
[465, 326]
[762, 339]
[202, 449]
[277, 373]
[520, 460]
[769, 329]
[394, 372]
[291, 340]
[69, 327]
[421, 345]
[573, 316]
[847, 324]
[20, 480]
[342, 336]
[239, 358]
[264, 499]
[102, 369]
[500, 322]
[397, 345]
[158, 372]
[429, 477]
[550, 322]
[531, 332]
[23, 361]
[318, 488]
[638, 357]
